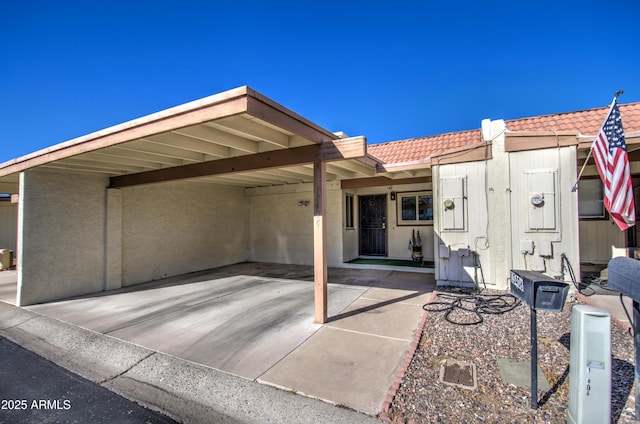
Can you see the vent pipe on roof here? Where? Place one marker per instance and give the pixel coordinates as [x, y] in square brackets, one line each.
[492, 129]
[486, 129]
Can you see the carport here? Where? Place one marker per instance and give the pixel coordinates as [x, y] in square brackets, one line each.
[165, 195]
[253, 320]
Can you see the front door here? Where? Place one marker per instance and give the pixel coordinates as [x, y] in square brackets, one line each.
[373, 225]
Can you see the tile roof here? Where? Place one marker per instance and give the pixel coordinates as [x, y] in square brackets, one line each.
[587, 122]
[421, 148]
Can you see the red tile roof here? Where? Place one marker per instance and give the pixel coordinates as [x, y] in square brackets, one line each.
[414, 149]
[587, 122]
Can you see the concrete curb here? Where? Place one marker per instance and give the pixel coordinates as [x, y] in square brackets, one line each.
[184, 391]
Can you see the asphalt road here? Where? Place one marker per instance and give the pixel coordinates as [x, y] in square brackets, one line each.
[35, 390]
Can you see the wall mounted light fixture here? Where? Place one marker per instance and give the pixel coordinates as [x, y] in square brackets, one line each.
[303, 203]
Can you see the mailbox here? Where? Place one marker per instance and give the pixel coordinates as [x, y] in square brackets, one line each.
[539, 291]
[624, 276]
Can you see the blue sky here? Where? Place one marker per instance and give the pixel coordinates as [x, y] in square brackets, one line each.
[386, 70]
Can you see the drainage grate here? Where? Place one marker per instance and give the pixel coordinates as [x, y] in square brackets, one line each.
[458, 373]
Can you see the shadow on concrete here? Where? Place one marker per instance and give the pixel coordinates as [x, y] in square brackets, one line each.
[256, 320]
[381, 304]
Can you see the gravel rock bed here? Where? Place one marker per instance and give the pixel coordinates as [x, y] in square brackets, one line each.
[422, 398]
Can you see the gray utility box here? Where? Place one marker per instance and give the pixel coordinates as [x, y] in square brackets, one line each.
[624, 276]
[539, 291]
[590, 366]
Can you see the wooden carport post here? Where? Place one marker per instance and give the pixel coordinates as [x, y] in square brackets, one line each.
[320, 240]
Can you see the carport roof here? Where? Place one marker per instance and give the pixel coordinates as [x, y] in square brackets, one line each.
[219, 129]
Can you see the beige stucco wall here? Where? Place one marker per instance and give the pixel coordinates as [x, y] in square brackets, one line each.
[398, 236]
[175, 228]
[282, 230]
[8, 225]
[61, 235]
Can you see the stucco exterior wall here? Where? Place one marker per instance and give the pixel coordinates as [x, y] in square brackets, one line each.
[175, 228]
[282, 228]
[398, 236]
[8, 226]
[61, 228]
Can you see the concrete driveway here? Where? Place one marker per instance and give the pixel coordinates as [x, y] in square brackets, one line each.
[255, 320]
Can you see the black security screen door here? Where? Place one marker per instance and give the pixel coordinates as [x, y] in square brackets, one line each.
[373, 225]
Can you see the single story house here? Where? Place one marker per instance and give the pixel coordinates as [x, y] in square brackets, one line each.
[238, 177]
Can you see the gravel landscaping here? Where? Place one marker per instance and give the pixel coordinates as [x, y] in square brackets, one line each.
[423, 398]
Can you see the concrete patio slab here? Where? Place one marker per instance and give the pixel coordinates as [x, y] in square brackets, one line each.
[255, 320]
[344, 367]
[386, 318]
[242, 324]
[188, 392]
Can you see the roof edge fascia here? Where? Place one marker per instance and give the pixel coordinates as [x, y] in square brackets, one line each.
[585, 141]
[239, 100]
[143, 120]
[405, 166]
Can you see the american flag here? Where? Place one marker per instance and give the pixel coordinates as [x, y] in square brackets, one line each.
[610, 153]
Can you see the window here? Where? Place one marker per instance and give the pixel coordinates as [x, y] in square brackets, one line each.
[415, 208]
[591, 198]
[348, 208]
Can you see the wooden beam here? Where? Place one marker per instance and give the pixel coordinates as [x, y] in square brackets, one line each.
[320, 241]
[381, 181]
[349, 148]
[267, 110]
[521, 141]
[479, 152]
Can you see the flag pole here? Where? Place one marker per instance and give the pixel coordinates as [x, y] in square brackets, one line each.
[575, 186]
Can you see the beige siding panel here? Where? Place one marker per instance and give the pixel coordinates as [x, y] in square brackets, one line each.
[470, 234]
[563, 237]
[597, 239]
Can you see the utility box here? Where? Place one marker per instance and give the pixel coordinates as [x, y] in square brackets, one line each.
[538, 291]
[624, 276]
[590, 366]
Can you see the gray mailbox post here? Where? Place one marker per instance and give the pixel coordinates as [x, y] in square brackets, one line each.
[539, 292]
[624, 276]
